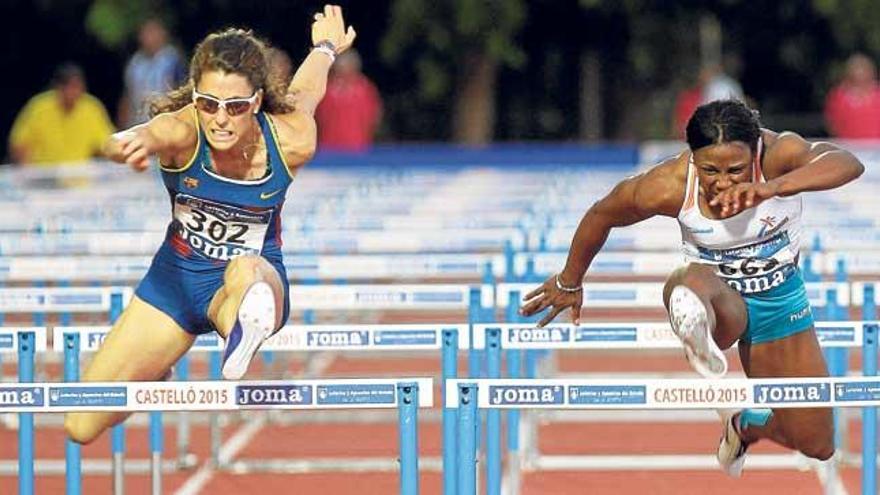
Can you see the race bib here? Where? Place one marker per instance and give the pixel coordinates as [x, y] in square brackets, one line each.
[751, 276]
[754, 268]
[220, 231]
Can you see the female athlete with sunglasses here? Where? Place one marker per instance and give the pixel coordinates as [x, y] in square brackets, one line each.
[229, 143]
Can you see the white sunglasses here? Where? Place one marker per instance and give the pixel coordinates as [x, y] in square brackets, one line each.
[232, 106]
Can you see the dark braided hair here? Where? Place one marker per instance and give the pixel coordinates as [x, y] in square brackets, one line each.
[723, 121]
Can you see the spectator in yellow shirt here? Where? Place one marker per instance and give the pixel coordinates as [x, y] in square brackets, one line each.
[64, 124]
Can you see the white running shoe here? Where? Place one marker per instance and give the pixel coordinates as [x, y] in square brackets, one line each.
[256, 321]
[731, 449]
[690, 323]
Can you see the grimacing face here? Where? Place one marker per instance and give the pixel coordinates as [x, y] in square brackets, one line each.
[224, 131]
[721, 166]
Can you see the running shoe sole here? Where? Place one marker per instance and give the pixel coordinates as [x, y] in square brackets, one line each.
[256, 321]
[690, 323]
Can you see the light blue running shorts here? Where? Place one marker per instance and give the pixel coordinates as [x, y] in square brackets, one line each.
[779, 312]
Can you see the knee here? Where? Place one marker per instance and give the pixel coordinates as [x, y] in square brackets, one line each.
[693, 275]
[817, 445]
[79, 429]
[821, 451]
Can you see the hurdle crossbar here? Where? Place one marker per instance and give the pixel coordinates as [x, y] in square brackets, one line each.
[404, 394]
[650, 294]
[635, 335]
[302, 338]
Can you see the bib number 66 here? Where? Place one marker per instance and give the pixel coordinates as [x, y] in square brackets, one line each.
[748, 267]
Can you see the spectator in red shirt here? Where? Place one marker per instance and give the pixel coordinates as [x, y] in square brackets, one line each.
[350, 111]
[852, 108]
[686, 102]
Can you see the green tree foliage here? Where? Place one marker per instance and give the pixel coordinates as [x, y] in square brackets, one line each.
[853, 22]
[455, 48]
[439, 34]
[477, 69]
[115, 22]
[786, 54]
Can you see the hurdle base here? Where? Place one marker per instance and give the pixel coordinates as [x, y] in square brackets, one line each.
[662, 462]
[321, 465]
[53, 467]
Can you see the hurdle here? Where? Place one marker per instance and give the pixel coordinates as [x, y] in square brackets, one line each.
[535, 266]
[448, 338]
[300, 267]
[473, 300]
[649, 296]
[632, 336]
[658, 239]
[326, 242]
[833, 296]
[524, 336]
[68, 301]
[405, 394]
[469, 396]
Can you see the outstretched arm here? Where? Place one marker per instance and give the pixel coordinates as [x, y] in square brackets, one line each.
[330, 38]
[660, 191]
[298, 133]
[167, 136]
[793, 165]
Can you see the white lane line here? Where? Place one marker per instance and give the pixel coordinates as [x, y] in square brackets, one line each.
[239, 440]
[828, 473]
[661, 462]
[195, 483]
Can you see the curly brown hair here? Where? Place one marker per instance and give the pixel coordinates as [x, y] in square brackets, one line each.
[233, 51]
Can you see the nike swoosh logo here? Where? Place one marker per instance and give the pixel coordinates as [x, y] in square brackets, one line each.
[269, 195]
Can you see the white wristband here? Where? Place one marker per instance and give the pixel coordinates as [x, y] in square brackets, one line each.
[126, 134]
[567, 289]
[326, 50]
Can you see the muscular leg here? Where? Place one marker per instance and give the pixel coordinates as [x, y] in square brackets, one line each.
[241, 273]
[725, 307]
[142, 346]
[246, 310]
[810, 431]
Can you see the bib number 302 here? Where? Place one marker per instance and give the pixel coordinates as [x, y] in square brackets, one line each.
[220, 231]
[215, 229]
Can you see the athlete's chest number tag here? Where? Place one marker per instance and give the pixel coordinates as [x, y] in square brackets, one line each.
[748, 267]
[220, 231]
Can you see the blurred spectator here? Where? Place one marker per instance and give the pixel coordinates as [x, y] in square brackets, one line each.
[64, 124]
[280, 66]
[718, 85]
[155, 68]
[712, 83]
[852, 108]
[686, 102]
[350, 111]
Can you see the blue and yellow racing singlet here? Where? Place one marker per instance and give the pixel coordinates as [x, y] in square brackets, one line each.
[216, 218]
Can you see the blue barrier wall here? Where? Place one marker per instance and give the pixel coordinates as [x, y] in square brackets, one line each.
[434, 155]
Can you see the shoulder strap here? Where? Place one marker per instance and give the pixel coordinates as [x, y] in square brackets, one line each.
[692, 188]
[200, 148]
[758, 171]
[273, 146]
